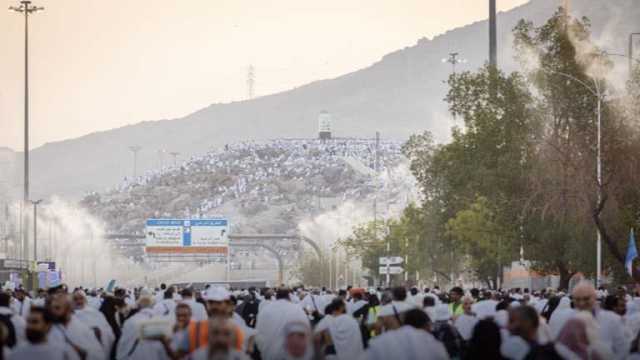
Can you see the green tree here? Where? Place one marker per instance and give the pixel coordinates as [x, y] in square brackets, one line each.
[564, 198]
[490, 158]
[488, 244]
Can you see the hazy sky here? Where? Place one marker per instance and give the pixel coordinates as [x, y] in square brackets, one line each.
[100, 64]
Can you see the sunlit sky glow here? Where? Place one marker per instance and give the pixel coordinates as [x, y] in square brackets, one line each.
[97, 64]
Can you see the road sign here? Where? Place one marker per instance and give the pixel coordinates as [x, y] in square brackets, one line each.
[393, 270]
[187, 236]
[391, 260]
[46, 265]
[15, 264]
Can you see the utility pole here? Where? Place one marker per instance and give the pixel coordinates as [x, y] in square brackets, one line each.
[493, 35]
[35, 228]
[406, 260]
[50, 252]
[375, 181]
[454, 60]
[134, 149]
[26, 8]
[375, 201]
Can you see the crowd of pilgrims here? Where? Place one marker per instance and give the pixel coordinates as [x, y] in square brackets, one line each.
[249, 171]
[298, 323]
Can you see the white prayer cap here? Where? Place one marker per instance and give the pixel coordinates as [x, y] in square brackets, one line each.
[296, 327]
[216, 293]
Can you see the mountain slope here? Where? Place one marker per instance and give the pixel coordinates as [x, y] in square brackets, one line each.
[399, 95]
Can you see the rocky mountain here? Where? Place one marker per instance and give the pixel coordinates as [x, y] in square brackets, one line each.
[398, 95]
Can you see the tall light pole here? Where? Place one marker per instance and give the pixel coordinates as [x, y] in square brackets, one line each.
[134, 149]
[596, 91]
[35, 228]
[26, 8]
[454, 59]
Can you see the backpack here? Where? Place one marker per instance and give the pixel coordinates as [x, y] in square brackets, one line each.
[11, 330]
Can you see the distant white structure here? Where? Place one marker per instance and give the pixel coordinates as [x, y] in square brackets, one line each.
[324, 125]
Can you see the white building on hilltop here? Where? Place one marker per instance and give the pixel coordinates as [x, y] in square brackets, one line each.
[324, 125]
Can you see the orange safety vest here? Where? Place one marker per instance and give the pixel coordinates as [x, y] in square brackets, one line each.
[199, 335]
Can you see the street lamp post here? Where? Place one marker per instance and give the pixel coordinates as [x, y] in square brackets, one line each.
[597, 92]
[26, 8]
[35, 228]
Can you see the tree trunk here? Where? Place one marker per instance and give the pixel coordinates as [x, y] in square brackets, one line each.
[611, 244]
[488, 283]
[565, 277]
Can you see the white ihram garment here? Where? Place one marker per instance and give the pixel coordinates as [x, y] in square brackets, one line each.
[406, 343]
[345, 335]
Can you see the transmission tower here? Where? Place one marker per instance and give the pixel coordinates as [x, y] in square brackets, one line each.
[251, 81]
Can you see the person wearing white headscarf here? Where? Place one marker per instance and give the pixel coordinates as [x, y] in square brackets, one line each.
[167, 305]
[271, 321]
[560, 316]
[94, 319]
[580, 339]
[295, 342]
[343, 331]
